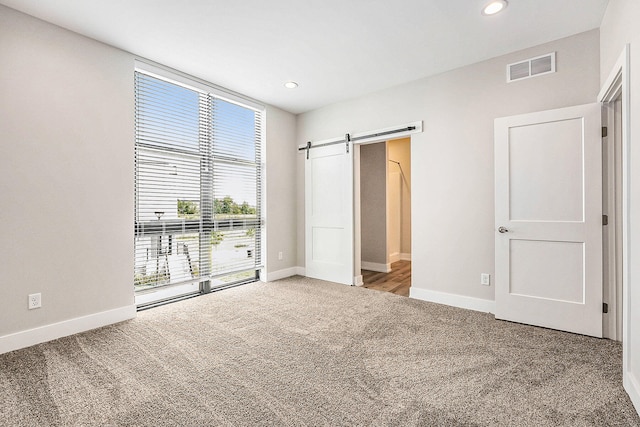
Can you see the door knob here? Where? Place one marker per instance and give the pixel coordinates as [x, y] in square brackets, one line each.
[503, 230]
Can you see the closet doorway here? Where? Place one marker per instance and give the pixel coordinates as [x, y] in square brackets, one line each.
[385, 215]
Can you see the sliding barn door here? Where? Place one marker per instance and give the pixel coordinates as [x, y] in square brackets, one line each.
[548, 168]
[329, 213]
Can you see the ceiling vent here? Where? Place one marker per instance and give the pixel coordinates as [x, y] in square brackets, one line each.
[533, 67]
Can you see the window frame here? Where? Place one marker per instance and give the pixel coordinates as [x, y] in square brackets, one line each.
[209, 222]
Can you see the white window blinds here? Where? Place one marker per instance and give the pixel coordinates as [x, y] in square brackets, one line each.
[198, 174]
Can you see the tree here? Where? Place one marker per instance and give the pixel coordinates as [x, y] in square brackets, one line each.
[223, 206]
[216, 237]
[227, 206]
[187, 209]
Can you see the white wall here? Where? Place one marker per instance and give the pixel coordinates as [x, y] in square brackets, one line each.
[619, 27]
[66, 174]
[452, 160]
[66, 180]
[281, 194]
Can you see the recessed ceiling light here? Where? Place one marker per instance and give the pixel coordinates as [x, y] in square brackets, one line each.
[291, 85]
[494, 7]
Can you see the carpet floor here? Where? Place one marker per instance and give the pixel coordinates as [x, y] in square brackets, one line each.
[301, 352]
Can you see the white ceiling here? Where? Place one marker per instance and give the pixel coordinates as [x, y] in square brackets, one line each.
[335, 49]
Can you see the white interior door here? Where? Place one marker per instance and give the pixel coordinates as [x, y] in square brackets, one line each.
[548, 195]
[329, 213]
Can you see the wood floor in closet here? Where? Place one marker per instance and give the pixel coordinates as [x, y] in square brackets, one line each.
[397, 281]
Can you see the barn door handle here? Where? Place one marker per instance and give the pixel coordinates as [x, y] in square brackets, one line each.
[503, 230]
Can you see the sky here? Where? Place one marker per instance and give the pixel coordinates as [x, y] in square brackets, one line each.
[170, 117]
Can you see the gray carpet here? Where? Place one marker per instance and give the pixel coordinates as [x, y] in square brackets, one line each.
[305, 352]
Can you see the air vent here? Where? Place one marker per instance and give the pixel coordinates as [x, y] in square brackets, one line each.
[533, 67]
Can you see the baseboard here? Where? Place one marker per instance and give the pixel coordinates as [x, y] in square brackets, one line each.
[632, 387]
[394, 257]
[300, 271]
[460, 301]
[375, 266]
[65, 328]
[279, 274]
[405, 257]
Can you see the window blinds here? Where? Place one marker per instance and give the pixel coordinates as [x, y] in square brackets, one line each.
[197, 183]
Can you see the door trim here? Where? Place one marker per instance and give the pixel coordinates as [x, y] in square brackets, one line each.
[618, 83]
[612, 230]
[356, 181]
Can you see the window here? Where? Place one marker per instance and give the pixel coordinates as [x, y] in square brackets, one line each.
[197, 183]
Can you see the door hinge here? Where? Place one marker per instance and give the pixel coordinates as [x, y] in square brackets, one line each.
[605, 219]
[605, 307]
[604, 131]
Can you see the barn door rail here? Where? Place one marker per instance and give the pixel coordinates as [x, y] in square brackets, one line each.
[371, 136]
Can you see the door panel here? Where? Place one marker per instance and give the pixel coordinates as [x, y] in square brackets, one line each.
[546, 160]
[329, 214]
[549, 204]
[546, 269]
[327, 179]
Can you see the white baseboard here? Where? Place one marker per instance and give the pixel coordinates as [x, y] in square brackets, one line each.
[460, 301]
[405, 257]
[279, 274]
[300, 271]
[632, 387]
[375, 266]
[394, 257]
[65, 328]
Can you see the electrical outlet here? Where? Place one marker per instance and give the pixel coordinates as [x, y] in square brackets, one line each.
[35, 301]
[485, 279]
[280, 256]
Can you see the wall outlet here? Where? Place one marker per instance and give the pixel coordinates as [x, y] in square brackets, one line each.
[485, 279]
[35, 301]
[279, 256]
